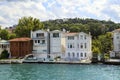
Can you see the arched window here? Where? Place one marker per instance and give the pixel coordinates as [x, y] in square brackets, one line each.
[85, 54]
[78, 45]
[73, 54]
[81, 54]
[81, 46]
[68, 54]
[77, 54]
[70, 45]
[85, 37]
[85, 45]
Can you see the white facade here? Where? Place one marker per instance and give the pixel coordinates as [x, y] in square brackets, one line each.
[68, 46]
[57, 44]
[4, 45]
[40, 43]
[78, 46]
[116, 40]
[116, 44]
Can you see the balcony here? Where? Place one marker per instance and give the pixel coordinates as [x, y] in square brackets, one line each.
[40, 37]
[39, 52]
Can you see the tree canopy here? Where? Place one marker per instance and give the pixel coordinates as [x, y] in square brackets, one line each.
[4, 34]
[26, 24]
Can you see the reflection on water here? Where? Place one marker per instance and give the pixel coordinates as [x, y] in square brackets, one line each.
[59, 72]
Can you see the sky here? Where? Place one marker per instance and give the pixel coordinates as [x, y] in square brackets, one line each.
[12, 10]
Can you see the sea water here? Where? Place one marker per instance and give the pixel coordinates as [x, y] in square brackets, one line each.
[59, 72]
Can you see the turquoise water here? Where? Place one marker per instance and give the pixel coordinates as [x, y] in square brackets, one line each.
[59, 72]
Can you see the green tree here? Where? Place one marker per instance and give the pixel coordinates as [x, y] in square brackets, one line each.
[106, 42]
[4, 34]
[96, 47]
[4, 54]
[12, 35]
[26, 24]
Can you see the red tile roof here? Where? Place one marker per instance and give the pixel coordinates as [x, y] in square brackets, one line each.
[116, 30]
[21, 39]
[71, 34]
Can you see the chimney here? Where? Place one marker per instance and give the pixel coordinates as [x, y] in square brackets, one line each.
[48, 30]
[89, 33]
[64, 30]
[31, 34]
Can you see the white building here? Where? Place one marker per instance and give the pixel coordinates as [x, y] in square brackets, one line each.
[68, 46]
[4, 45]
[57, 44]
[116, 44]
[40, 43]
[78, 46]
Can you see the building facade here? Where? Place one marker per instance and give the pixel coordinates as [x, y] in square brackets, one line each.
[61, 44]
[116, 44]
[40, 43]
[20, 47]
[78, 46]
[57, 44]
[4, 45]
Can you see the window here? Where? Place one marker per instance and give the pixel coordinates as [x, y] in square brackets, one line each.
[4, 46]
[43, 41]
[38, 41]
[40, 35]
[81, 54]
[73, 54]
[81, 46]
[81, 36]
[68, 54]
[85, 45]
[85, 55]
[77, 54]
[70, 45]
[85, 37]
[55, 34]
[8, 46]
[35, 41]
[70, 37]
[78, 45]
[73, 46]
[77, 37]
[117, 37]
[119, 46]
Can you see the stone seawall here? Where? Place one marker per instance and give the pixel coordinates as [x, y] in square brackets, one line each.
[11, 61]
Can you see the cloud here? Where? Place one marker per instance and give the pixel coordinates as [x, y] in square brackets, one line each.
[12, 10]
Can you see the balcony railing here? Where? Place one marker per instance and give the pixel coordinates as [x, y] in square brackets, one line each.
[40, 37]
[39, 52]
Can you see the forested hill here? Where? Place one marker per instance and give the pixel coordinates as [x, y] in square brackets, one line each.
[96, 27]
[100, 30]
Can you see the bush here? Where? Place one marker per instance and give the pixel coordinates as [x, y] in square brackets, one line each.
[4, 54]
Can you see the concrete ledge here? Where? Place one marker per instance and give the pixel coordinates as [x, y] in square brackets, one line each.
[11, 61]
[112, 61]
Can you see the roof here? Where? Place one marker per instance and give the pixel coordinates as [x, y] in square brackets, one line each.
[116, 30]
[76, 33]
[40, 31]
[21, 39]
[71, 34]
[56, 31]
[4, 42]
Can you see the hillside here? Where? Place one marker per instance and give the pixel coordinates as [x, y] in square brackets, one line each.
[96, 27]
